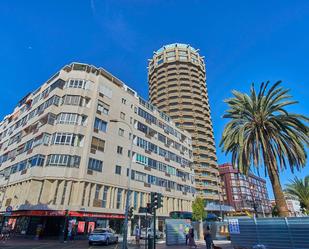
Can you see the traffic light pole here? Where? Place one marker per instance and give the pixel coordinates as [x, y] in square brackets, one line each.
[154, 227]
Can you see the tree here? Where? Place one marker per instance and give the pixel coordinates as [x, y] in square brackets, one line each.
[261, 131]
[199, 213]
[300, 189]
[198, 209]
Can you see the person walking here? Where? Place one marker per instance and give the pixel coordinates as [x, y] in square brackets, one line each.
[187, 229]
[137, 235]
[208, 238]
[191, 238]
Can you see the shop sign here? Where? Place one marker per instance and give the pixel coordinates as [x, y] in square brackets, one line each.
[234, 226]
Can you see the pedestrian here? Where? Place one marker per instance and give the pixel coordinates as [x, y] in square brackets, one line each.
[187, 229]
[137, 235]
[191, 238]
[208, 238]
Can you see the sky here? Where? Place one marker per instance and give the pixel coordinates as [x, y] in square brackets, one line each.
[242, 41]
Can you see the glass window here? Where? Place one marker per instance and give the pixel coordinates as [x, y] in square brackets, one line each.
[94, 164]
[135, 200]
[121, 132]
[103, 108]
[76, 83]
[119, 150]
[118, 170]
[119, 197]
[63, 160]
[122, 115]
[97, 191]
[104, 199]
[100, 125]
[97, 144]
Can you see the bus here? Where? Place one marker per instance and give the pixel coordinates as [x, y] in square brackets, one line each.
[181, 215]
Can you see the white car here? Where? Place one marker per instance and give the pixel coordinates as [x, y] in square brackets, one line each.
[159, 234]
[102, 236]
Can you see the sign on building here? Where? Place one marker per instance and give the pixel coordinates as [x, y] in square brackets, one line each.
[234, 226]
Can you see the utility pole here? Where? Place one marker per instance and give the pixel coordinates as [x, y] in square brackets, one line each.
[156, 202]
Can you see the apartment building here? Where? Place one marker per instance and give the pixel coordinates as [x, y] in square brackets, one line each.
[177, 86]
[247, 194]
[60, 154]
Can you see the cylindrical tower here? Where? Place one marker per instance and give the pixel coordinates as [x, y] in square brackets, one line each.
[177, 86]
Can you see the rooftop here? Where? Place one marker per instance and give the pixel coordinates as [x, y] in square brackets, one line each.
[174, 45]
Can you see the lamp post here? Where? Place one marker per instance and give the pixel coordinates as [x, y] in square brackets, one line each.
[125, 230]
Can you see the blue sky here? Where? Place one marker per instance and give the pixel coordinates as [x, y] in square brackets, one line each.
[242, 41]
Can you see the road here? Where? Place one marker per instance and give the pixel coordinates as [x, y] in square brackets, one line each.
[51, 244]
[83, 244]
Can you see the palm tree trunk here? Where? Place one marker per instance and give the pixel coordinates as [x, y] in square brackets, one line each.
[278, 193]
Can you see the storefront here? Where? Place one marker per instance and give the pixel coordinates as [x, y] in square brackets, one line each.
[53, 223]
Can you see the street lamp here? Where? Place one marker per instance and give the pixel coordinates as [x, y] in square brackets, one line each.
[125, 231]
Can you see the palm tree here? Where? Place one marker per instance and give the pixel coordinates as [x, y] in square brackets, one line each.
[300, 189]
[262, 132]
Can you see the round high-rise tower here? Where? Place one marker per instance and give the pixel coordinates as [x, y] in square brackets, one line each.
[177, 86]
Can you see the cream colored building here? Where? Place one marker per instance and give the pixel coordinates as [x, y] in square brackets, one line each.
[177, 86]
[60, 151]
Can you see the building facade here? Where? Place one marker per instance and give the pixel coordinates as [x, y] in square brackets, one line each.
[177, 86]
[60, 154]
[244, 193]
[293, 204]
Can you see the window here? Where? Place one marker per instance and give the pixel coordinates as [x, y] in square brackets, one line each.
[67, 139]
[141, 199]
[122, 115]
[100, 124]
[119, 195]
[119, 150]
[63, 160]
[118, 170]
[37, 160]
[103, 108]
[147, 116]
[141, 159]
[123, 101]
[76, 84]
[72, 100]
[121, 132]
[104, 199]
[95, 164]
[135, 200]
[71, 118]
[97, 191]
[97, 144]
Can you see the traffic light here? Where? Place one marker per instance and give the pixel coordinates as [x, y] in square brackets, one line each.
[156, 200]
[149, 208]
[160, 200]
[130, 213]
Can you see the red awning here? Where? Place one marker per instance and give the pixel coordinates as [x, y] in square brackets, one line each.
[62, 213]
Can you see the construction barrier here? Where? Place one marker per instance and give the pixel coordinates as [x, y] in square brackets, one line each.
[272, 233]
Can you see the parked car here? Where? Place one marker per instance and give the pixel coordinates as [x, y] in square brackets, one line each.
[102, 236]
[159, 234]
